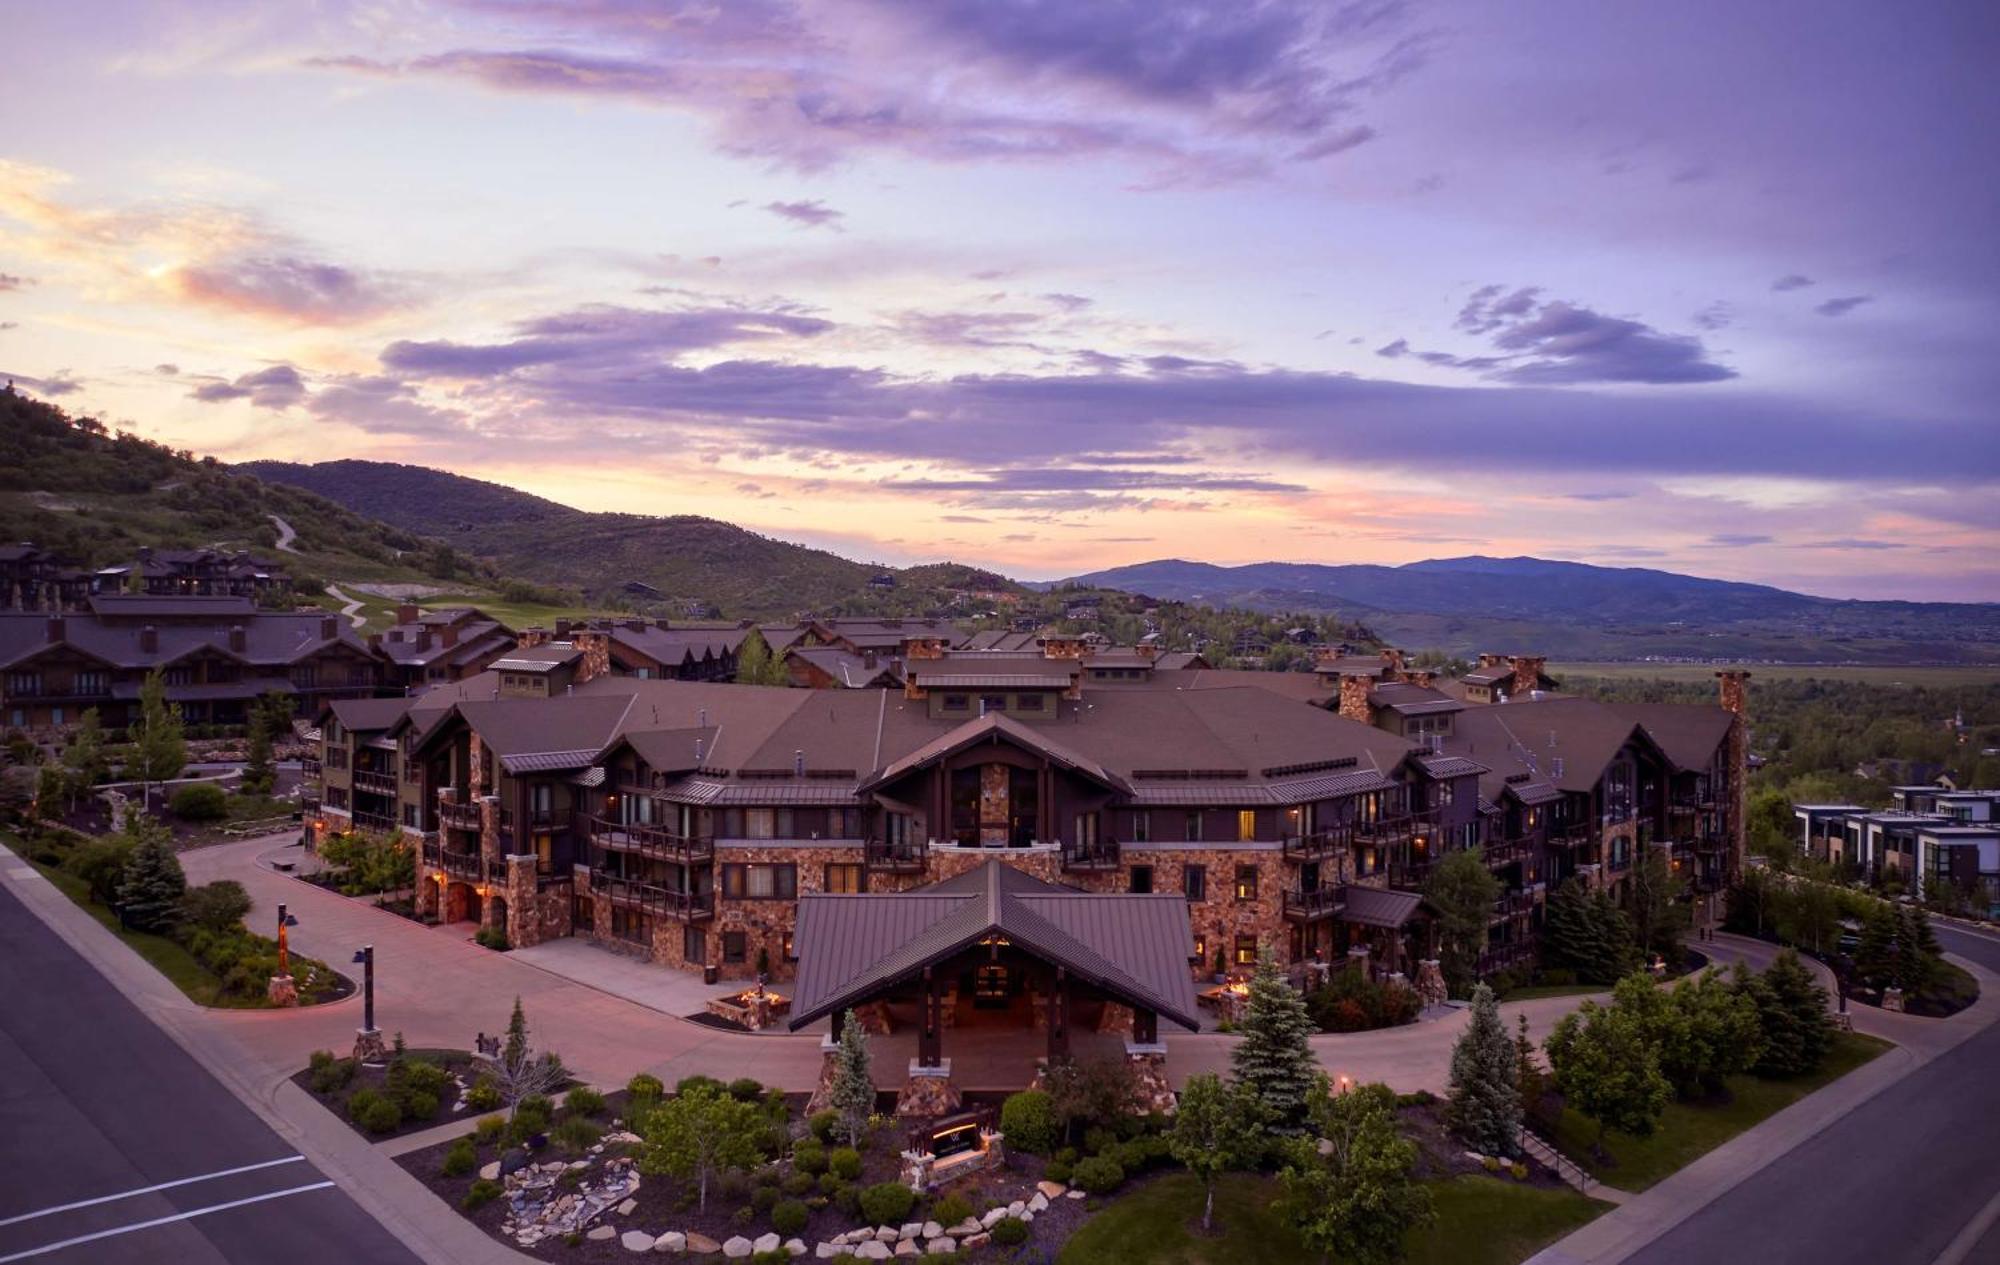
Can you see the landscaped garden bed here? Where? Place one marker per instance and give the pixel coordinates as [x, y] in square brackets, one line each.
[412, 1091]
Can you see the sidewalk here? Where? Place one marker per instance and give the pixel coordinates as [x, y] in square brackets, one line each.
[1648, 1215]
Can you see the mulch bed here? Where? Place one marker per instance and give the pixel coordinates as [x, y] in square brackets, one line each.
[1442, 1154]
[365, 1077]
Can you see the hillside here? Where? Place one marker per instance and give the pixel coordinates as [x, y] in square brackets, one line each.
[1575, 610]
[72, 485]
[631, 559]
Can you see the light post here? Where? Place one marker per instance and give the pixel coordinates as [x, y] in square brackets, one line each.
[283, 991]
[368, 1046]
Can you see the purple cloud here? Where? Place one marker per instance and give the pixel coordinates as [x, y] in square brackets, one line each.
[1851, 543]
[57, 383]
[1791, 281]
[278, 387]
[596, 334]
[291, 288]
[1568, 343]
[1736, 540]
[1842, 306]
[8, 281]
[813, 214]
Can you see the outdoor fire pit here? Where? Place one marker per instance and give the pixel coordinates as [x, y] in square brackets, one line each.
[754, 1008]
[1229, 1000]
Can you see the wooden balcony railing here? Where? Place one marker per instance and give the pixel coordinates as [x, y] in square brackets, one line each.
[1091, 857]
[1571, 836]
[461, 864]
[1311, 904]
[655, 842]
[1501, 957]
[1394, 827]
[459, 817]
[1512, 905]
[896, 858]
[1320, 845]
[374, 782]
[1505, 852]
[657, 901]
[309, 768]
[373, 821]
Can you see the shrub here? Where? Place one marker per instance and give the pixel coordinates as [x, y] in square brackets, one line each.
[789, 1217]
[218, 906]
[687, 1083]
[822, 1124]
[808, 1156]
[798, 1185]
[536, 1104]
[887, 1203]
[1009, 1232]
[490, 938]
[1029, 1121]
[776, 1256]
[373, 1111]
[461, 1158]
[576, 1134]
[848, 1200]
[332, 1075]
[201, 801]
[1097, 1139]
[417, 1104]
[830, 1185]
[482, 1193]
[1057, 1171]
[482, 1095]
[489, 1130]
[764, 1198]
[951, 1210]
[844, 1162]
[584, 1101]
[744, 1089]
[1099, 1175]
[645, 1085]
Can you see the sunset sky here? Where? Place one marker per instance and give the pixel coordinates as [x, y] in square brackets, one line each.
[1051, 285]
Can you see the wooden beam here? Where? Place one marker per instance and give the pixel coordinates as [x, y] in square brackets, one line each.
[1145, 1027]
[1059, 1015]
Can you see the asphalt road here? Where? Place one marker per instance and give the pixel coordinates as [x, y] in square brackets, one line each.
[1898, 1181]
[99, 1108]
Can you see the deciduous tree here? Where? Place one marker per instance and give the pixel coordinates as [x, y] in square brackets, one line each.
[1608, 1070]
[84, 758]
[159, 742]
[700, 1134]
[1461, 889]
[1215, 1130]
[1354, 1197]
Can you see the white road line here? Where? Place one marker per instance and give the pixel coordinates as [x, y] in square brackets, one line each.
[1960, 1248]
[46, 1248]
[147, 1190]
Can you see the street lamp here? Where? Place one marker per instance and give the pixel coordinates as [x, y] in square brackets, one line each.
[368, 1046]
[283, 991]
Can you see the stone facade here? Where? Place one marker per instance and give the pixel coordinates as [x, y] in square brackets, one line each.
[535, 913]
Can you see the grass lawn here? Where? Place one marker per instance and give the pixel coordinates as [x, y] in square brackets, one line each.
[1494, 1221]
[168, 957]
[1481, 1221]
[1687, 1132]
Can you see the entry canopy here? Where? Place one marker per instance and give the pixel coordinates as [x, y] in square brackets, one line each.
[854, 948]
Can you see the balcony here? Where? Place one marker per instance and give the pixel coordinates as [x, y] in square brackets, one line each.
[1394, 827]
[1506, 852]
[896, 858]
[657, 901]
[654, 842]
[1571, 835]
[1512, 905]
[469, 866]
[1321, 845]
[309, 768]
[1311, 904]
[459, 817]
[379, 822]
[1502, 957]
[375, 782]
[1095, 857]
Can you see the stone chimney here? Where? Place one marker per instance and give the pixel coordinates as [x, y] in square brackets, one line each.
[562, 630]
[329, 627]
[1394, 658]
[149, 640]
[1062, 646]
[57, 630]
[920, 648]
[238, 639]
[407, 613]
[1354, 697]
[595, 660]
[1421, 677]
[1734, 687]
[1148, 649]
[448, 636]
[1490, 660]
[1325, 657]
[1527, 673]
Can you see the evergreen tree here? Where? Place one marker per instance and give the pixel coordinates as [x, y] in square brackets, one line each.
[1274, 1060]
[1485, 1081]
[84, 758]
[1585, 931]
[1916, 953]
[1214, 1131]
[1528, 1074]
[159, 743]
[152, 887]
[1875, 956]
[1462, 891]
[852, 1093]
[1607, 1070]
[259, 775]
[1791, 1011]
[1352, 1193]
[523, 1071]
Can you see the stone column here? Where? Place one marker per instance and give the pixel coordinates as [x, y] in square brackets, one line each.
[829, 1066]
[928, 1091]
[524, 914]
[1430, 982]
[1357, 957]
[1151, 1091]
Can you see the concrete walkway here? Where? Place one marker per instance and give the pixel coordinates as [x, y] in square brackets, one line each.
[1644, 1217]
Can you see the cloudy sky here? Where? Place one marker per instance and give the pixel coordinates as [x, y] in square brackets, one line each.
[1050, 285]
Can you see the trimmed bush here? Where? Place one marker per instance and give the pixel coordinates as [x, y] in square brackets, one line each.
[1097, 1139]
[1099, 1175]
[844, 1162]
[1057, 1171]
[461, 1158]
[744, 1089]
[830, 1185]
[887, 1203]
[951, 1210]
[848, 1200]
[482, 1193]
[822, 1124]
[808, 1156]
[798, 1185]
[373, 1111]
[584, 1101]
[201, 801]
[576, 1135]
[489, 1130]
[417, 1104]
[331, 1075]
[1029, 1121]
[482, 1095]
[645, 1085]
[764, 1198]
[789, 1218]
[1009, 1232]
[686, 1083]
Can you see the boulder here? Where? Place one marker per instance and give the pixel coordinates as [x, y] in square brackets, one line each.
[941, 1245]
[600, 1233]
[908, 1247]
[1027, 1218]
[1016, 1208]
[910, 1230]
[973, 1242]
[874, 1250]
[827, 1251]
[993, 1217]
[701, 1244]
[627, 1208]
[671, 1241]
[737, 1247]
[1074, 1194]
[636, 1241]
[887, 1234]
[490, 1172]
[932, 1230]
[795, 1247]
[1050, 1190]
[766, 1243]
[1039, 1203]
[965, 1227]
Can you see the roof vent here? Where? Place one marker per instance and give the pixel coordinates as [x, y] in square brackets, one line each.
[1557, 771]
[698, 744]
[701, 719]
[798, 763]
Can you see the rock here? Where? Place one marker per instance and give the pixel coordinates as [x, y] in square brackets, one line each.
[575, 1166]
[1074, 1194]
[874, 1250]
[1051, 1190]
[600, 1233]
[910, 1230]
[908, 1247]
[795, 1247]
[490, 1172]
[965, 1227]
[513, 1162]
[1016, 1208]
[627, 1208]
[941, 1245]
[765, 1243]
[1026, 1218]
[671, 1241]
[636, 1241]
[737, 1247]
[827, 1251]
[886, 1234]
[701, 1244]
[1039, 1203]
[993, 1217]
[932, 1230]
[974, 1242]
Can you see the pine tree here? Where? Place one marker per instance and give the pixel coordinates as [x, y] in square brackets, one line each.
[84, 757]
[152, 886]
[1274, 1061]
[1917, 952]
[1462, 891]
[1874, 957]
[159, 743]
[1485, 1081]
[852, 1093]
[259, 776]
[1791, 1010]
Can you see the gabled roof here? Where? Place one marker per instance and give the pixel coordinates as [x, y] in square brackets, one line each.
[853, 947]
[368, 715]
[1377, 907]
[992, 727]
